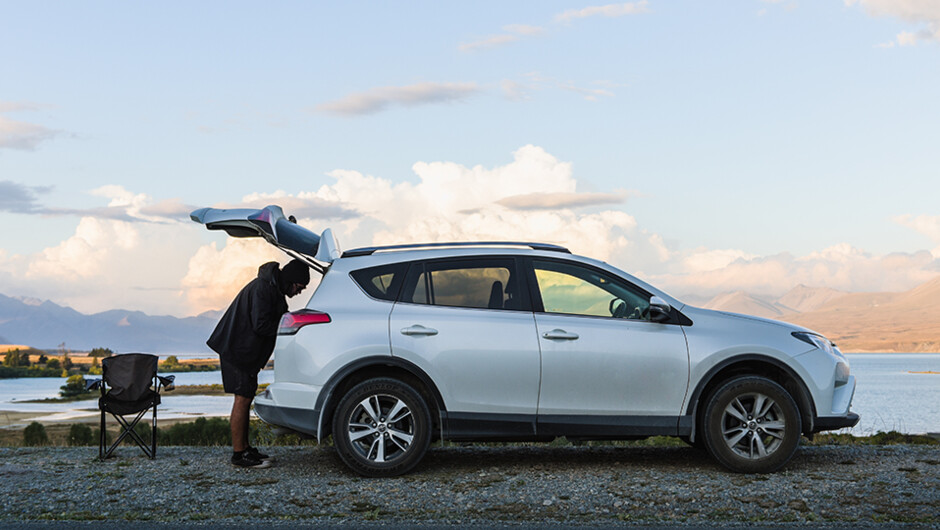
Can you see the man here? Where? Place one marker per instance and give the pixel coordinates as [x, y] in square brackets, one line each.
[244, 340]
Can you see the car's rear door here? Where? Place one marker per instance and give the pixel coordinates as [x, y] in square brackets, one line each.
[606, 368]
[273, 226]
[468, 324]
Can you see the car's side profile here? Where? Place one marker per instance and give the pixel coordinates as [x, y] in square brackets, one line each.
[399, 346]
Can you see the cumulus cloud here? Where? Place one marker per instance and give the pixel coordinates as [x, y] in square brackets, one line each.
[925, 13]
[140, 254]
[106, 264]
[453, 202]
[215, 275]
[609, 11]
[19, 134]
[379, 99]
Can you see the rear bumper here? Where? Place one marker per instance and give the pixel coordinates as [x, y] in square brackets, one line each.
[300, 420]
[831, 423]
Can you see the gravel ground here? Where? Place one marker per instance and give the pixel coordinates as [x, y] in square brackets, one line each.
[824, 486]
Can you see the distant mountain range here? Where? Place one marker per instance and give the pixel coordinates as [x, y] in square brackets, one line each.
[857, 322]
[45, 325]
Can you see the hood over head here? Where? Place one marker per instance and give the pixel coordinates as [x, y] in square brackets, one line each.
[269, 271]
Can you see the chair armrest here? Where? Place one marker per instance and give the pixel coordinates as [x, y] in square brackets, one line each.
[93, 384]
[167, 382]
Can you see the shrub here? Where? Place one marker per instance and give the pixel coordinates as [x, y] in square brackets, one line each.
[74, 386]
[212, 431]
[171, 364]
[143, 430]
[96, 435]
[35, 434]
[80, 434]
[95, 369]
[40, 371]
[53, 364]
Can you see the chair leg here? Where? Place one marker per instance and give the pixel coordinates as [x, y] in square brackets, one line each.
[153, 435]
[102, 439]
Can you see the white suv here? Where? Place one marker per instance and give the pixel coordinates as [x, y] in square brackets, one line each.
[487, 341]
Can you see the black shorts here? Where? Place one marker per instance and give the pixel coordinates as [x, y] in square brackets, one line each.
[238, 381]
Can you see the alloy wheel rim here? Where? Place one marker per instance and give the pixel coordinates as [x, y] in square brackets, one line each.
[381, 428]
[753, 425]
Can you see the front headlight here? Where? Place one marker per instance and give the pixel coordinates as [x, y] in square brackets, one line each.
[818, 341]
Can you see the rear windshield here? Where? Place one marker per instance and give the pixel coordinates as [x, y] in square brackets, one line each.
[382, 282]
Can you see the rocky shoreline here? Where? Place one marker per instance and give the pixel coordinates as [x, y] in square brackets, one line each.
[598, 485]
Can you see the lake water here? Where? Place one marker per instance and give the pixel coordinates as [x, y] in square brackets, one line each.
[889, 395]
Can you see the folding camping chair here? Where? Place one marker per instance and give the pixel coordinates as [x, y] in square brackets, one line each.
[129, 385]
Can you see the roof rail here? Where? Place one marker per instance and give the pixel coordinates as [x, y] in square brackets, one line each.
[366, 251]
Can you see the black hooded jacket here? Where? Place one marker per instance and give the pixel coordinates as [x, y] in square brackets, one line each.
[246, 334]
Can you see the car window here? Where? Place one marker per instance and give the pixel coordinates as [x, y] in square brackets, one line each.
[382, 282]
[575, 290]
[483, 283]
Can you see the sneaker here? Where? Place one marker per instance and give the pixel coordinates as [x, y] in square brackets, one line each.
[246, 459]
[253, 451]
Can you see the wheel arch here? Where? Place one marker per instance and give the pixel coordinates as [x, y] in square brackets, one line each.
[755, 364]
[367, 368]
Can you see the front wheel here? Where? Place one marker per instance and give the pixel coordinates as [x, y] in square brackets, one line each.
[751, 425]
[382, 428]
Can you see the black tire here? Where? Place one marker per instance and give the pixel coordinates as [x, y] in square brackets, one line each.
[373, 442]
[751, 425]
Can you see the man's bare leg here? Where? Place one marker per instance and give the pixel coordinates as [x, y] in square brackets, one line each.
[239, 421]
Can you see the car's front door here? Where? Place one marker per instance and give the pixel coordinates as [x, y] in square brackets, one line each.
[469, 325]
[606, 368]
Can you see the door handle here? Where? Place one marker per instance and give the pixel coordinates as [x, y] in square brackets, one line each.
[560, 334]
[418, 329]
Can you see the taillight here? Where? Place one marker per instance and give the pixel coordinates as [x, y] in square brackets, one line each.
[292, 322]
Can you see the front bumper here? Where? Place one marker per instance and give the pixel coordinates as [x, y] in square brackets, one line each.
[831, 423]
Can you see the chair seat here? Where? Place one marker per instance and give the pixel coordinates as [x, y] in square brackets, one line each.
[120, 407]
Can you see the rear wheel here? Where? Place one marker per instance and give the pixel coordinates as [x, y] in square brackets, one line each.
[751, 425]
[381, 428]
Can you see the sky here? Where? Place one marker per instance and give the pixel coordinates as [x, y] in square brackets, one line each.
[703, 146]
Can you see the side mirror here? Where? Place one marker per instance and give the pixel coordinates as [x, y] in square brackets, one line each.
[660, 310]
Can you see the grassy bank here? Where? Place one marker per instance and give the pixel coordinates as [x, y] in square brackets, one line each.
[199, 432]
